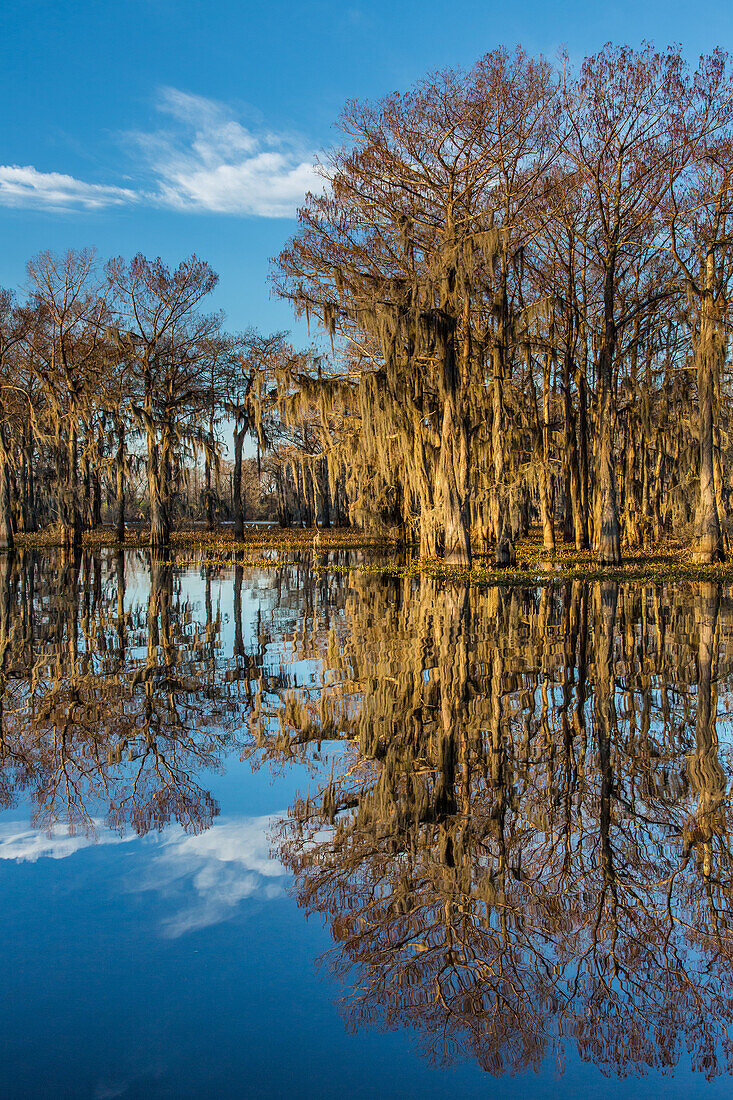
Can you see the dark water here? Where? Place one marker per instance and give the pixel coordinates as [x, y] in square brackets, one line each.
[324, 833]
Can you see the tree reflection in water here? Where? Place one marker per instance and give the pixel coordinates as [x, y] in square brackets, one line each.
[107, 710]
[526, 840]
[521, 841]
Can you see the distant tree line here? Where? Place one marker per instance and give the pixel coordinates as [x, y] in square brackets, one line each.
[526, 272]
[117, 390]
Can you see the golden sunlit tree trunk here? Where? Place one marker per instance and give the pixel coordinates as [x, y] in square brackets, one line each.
[606, 528]
[6, 518]
[709, 354]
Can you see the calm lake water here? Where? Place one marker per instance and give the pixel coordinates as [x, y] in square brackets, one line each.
[322, 832]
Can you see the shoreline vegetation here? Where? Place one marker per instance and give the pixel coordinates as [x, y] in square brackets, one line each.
[670, 560]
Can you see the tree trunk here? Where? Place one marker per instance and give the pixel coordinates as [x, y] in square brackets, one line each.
[326, 497]
[721, 497]
[71, 518]
[504, 552]
[6, 521]
[238, 635]
[120, 481]
[546, 504]
[606, 531]
[571, 481]
[121, 623]
[582, 512]
[237, 504]
[86, 489]
[707, 775]
[604, 721]
[450, 476]
[631, 508]
[283, 512]
[710, 540]
[159, 524]
[208, 495]
[30, 518]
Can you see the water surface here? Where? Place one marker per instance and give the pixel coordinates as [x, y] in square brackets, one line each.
[311, 831]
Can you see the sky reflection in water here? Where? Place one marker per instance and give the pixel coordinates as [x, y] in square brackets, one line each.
[507, 814]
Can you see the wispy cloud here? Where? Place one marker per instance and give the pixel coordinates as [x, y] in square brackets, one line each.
[29, 845]
[26, 186]
[205, 878]
[206, 160]
[201, 158]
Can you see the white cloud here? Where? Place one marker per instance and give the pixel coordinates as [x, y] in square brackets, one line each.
[208, 161]
[202, 878]
[29, 845]
[203, 159]
[26, 186]
[208, 876]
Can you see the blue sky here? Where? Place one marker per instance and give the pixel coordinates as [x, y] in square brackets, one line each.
[174, 126]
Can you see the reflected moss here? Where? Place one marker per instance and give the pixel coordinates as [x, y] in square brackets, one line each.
[526, 840]
[518, 826]
[107, 707]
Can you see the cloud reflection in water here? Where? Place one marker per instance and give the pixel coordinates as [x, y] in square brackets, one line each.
[205, 877]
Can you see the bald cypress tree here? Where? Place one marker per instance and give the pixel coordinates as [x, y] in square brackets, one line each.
[167, 342]
[408, 257]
